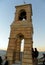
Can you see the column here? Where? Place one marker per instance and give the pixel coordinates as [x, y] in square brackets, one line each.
[27, 57]
[18, 50]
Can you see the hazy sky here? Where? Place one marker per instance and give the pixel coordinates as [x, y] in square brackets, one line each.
[7, 13]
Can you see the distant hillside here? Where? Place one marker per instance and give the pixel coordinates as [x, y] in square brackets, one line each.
[41, 54]
[2, 52]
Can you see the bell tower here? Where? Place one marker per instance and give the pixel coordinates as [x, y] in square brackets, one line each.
[21, 28]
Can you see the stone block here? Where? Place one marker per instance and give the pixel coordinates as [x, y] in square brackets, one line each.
[27, 60]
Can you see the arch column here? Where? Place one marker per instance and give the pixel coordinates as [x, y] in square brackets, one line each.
[18, 44]
[27, 57]
[10, 50]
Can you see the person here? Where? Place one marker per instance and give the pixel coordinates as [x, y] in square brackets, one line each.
[0, 60]
[33, 55]
[36, 53]
[5, 62]
[43, 59]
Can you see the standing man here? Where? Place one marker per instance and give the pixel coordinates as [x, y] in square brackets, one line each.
[5, 62]
[0, 60]
[36, 53]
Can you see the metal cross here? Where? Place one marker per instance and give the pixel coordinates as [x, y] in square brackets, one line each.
[24, 1]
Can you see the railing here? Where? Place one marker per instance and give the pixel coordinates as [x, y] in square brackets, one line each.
[40, 62]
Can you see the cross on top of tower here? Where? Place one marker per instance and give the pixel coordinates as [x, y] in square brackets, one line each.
[24, 1]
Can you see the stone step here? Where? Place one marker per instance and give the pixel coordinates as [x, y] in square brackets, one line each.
[17, 63]
[20, 63]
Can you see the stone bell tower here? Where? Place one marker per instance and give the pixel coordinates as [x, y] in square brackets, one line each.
[21, 28]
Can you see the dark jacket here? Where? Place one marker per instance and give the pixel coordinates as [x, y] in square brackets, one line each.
[0, 61]
[6, 63]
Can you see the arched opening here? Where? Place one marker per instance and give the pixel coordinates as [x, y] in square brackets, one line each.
[21, 37]
[19, 47]
[22, 15]
[22, 45]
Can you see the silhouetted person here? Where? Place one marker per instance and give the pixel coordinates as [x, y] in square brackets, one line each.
[36, 53]
[44, 59]
[0, 60]
[33, 55]
[6, 61]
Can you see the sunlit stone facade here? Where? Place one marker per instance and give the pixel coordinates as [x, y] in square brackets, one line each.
[21, 28]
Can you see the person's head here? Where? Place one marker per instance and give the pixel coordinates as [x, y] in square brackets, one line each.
[5, 57]
[32, 49]
[0, 57]
[35, 49]
[43, 54]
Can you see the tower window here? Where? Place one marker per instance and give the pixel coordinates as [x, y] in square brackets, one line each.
[22, 15]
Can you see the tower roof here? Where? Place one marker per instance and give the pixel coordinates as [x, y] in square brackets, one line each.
[23, 5]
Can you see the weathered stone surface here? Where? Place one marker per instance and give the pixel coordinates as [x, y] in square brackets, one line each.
[21, 29]
[27, 63]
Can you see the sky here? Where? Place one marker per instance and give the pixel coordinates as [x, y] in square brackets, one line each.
[7, 14]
